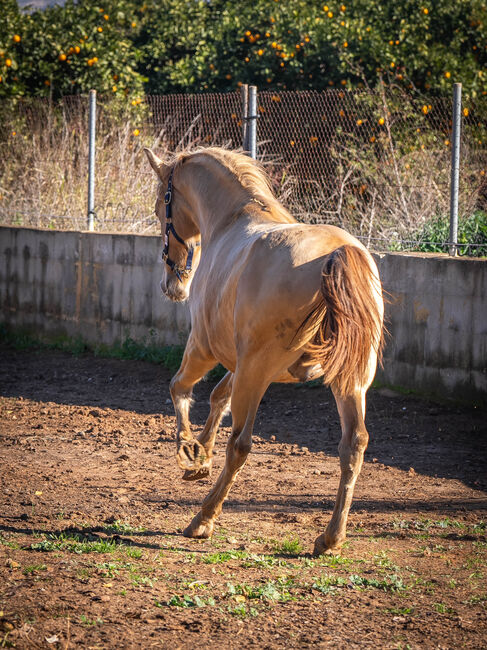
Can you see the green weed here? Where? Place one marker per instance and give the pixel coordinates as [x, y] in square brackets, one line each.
[242, 611]
[224, 556]
[327, 584]
[33, 568]
[391, 583]
[289, 546]
[476, 600]
[75, 544]
[89, 623]
[272, 590]
[6, 542]
[168, 356]
[188, 601]
[441, 608]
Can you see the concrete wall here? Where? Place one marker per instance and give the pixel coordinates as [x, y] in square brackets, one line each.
[437, 318]
[105, 287]
[98, 286]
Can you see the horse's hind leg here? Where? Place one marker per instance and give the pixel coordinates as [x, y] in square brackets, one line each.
[191, 454]
[351, 449]
[247, 391]
[219, 402]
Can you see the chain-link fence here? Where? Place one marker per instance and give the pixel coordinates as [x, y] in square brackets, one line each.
[375, 163]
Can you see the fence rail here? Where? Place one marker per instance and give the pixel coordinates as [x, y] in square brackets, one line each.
[376, 163]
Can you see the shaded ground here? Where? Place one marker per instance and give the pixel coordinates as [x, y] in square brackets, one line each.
[92, 508]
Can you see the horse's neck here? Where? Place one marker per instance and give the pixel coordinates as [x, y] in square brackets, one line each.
[216, 201]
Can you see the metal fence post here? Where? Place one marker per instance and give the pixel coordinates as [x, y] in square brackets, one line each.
[455, 167]
[91, 162]
[252, 120]
[245, 115]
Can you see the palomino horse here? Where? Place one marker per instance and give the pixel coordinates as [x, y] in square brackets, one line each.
[272, 300]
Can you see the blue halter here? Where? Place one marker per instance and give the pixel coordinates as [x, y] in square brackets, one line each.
[178, 271]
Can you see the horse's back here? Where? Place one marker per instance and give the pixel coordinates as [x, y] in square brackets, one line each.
[260, 283]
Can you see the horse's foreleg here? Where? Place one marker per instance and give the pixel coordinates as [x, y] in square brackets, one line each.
[351, 449]
[245, 402]
[219, 402]
[191, 454]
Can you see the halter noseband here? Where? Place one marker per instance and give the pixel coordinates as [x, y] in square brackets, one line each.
[178, 271]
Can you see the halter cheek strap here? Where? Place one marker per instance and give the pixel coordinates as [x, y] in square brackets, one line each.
[179, 271]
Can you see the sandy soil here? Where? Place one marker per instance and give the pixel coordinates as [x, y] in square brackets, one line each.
[93, 505]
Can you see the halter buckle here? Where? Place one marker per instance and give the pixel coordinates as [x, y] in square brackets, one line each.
[167, 197]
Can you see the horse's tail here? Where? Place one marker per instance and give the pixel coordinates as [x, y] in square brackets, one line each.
[351, 316]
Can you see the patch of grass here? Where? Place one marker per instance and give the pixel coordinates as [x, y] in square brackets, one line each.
[288, 546]
[224, 556]
[335, 561]
[129, 349]
[441, 608]
[33, 568]
[83, 544]
[84, 620]
[132, 551]
[6, 542]
[480, 527]
[476, 600]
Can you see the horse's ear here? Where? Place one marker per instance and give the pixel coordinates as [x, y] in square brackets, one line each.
[155, 162]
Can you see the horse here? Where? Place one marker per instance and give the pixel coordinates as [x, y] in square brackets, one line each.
[272, 300]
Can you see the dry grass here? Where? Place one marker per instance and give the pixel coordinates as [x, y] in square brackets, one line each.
[383, 193]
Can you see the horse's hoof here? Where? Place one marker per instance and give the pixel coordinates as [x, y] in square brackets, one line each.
[325, 547]
[196, 475]
[192, 455]
[198, 529]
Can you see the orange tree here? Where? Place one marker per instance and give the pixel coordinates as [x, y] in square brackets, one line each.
[69, 49]
[213, 45]
[124, 47]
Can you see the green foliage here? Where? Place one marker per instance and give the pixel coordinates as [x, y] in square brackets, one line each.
[327, 584]
[121, 46]
[76, 544]
[270, 591]
[472, 235]
[169, 356]
[390, 583]
[289, 546]
[188, 601]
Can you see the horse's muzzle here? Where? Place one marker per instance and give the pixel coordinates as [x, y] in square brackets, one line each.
[174, 290]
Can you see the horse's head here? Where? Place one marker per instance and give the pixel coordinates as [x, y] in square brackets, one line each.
[182, 251]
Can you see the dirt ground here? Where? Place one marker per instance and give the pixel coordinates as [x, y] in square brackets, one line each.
[93, 505]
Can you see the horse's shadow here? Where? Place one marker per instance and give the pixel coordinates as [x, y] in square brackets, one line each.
[436, 440]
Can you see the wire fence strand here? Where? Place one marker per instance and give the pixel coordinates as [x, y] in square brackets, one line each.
[375, 163]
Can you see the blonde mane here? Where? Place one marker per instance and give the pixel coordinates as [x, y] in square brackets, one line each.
[248, 173]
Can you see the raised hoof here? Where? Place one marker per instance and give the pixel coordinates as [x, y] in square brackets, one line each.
[192, 456]
[199, 530]
[196, 475]
[324, 547]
